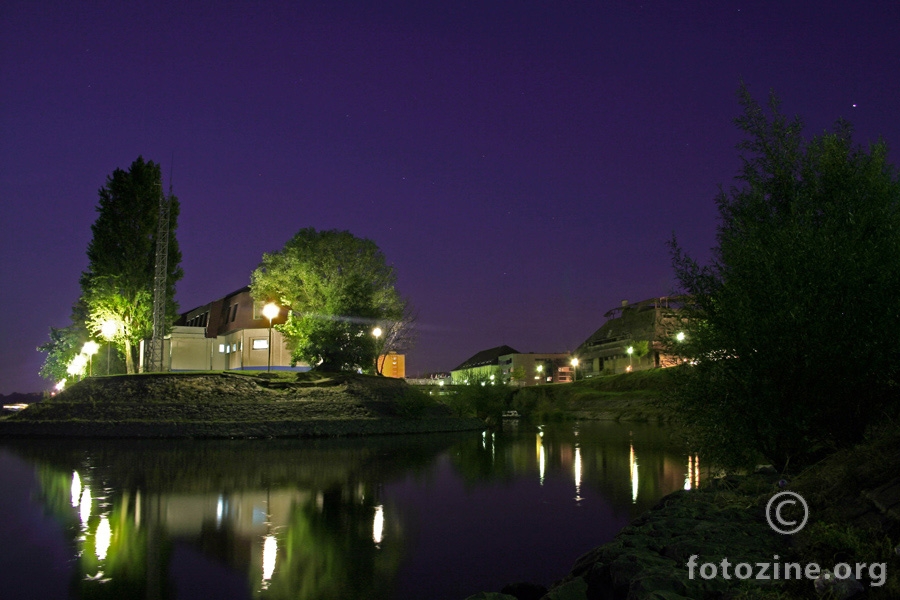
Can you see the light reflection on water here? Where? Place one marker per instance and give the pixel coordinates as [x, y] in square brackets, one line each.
[439, 516]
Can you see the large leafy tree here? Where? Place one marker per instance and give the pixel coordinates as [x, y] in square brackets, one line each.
[337, 288]
[794, 323]
[118, 283]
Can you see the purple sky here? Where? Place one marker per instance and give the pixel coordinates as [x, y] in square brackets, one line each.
[521, 164]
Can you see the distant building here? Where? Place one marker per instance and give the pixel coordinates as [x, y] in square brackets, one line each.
[508, 365]
[392, 365]
[228, 333]
[651, 323]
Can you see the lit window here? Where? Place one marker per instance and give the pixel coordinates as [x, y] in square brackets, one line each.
[260, 344]
[221, 348]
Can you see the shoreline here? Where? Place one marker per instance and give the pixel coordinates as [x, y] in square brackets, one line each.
[286, 429]
[231, 405]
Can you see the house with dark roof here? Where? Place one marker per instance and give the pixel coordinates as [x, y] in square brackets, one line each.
[504, 364]
[228, 333]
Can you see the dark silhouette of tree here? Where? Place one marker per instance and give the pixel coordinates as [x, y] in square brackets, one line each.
[793, 324]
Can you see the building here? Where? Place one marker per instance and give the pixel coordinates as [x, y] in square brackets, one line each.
[507, 365]
[648, 328]
[229, 333]
[392, 365]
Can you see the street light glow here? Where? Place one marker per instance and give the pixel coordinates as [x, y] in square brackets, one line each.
[108, 329]
[270, 310]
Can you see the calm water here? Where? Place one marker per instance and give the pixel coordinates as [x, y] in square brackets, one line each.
[437, 516]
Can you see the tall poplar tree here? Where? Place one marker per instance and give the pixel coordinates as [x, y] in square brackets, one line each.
[118, 283]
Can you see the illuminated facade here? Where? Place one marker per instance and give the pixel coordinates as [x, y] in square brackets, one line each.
[228, 333]
[650, 325]
[506, 365]
[392, 365]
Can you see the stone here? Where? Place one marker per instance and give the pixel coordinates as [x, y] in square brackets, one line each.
[831, 587]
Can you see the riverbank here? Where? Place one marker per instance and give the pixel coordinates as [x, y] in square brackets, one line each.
[235, 404]
[623, 397]
[854, 519]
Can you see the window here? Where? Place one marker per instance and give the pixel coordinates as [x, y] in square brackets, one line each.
[234, 313]
[260, 343]
[222, 348]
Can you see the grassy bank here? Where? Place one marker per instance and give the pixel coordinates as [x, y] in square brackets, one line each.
[625, 397]
[235, 404]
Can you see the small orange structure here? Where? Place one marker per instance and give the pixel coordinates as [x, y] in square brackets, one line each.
[392, 365]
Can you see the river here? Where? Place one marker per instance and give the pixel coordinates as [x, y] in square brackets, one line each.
[438, 516]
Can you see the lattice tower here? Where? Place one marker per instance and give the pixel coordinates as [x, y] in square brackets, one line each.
[160, 277]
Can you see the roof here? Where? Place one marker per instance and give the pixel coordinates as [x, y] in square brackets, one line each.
[486, 358]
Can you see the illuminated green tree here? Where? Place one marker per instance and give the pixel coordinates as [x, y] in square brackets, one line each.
[118, 284]
[337, 287]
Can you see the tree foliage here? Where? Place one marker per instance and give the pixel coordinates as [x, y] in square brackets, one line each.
[793, 324]
[337, 287]
[118, 284]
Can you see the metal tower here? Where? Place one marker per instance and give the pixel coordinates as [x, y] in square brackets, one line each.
[155, 358]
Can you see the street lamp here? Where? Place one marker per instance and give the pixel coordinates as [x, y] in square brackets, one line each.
[630, 351]
[108, 330]
[377, 333]
[270, 311]
[90, 348]
[680, 336]
[76, 366]
[574, 369]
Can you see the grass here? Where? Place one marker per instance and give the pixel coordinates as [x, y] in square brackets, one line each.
[626, 396]
[200, 401]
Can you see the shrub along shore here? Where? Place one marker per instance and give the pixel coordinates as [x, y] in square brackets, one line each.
[232, 404]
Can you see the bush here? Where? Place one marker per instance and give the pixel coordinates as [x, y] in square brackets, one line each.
[793, 325]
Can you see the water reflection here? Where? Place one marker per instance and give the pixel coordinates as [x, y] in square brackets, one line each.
[333, 519]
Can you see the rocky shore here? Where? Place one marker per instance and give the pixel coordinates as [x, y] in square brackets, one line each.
[235, 405]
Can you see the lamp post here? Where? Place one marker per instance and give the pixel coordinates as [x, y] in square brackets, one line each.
[90, 348]
[574, 369]
[270, 311]
[630, 351]
[377, 333]
[108, 330]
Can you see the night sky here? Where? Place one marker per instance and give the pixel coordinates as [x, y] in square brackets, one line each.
[521, 164]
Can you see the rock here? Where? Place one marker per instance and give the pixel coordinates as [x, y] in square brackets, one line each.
[830, 586]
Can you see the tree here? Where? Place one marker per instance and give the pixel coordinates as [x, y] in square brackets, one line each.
[65, 343]
[792, 326]
[397, 335]
[337, 288]
[118, 284]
